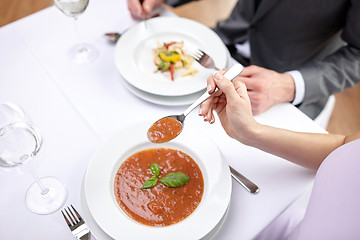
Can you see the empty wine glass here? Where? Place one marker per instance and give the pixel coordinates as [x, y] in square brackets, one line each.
[20, 141]
[81, 52]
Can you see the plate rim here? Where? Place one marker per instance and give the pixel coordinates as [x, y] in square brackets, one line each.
[162, 100]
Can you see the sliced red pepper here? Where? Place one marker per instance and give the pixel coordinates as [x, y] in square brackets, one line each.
[169, 44]
[172, 71]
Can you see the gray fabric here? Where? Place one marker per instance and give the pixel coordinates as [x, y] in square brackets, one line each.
[301, 35]
[176, 3]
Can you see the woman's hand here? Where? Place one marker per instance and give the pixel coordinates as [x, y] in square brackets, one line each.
[232, 104]
[140, 9]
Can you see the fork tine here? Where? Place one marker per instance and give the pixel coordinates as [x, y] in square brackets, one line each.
[192, 54]
[202, 58]
[69, 216]
[199, 53]
[196, 55]
[66, 219]
[77, 214]
[72, 214]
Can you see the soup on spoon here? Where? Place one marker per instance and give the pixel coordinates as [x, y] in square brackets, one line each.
[164, 130]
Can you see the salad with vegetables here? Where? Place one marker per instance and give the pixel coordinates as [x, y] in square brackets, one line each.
[170, 57]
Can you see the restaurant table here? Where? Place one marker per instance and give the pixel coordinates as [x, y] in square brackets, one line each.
[77, 107]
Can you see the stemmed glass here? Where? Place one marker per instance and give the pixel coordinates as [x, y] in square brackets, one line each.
[81, 52]
[20, 141]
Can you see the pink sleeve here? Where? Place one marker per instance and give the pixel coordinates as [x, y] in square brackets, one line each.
[334, 207]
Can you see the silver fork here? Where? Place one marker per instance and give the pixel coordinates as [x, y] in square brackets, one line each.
[204, 59]
[76, 224]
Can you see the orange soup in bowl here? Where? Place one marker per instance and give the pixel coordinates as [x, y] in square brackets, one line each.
[159, 186]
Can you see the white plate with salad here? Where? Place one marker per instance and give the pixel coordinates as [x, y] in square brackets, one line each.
[135, 61]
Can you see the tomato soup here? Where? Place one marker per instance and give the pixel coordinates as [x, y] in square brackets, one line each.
[159, 205]
[164, 130]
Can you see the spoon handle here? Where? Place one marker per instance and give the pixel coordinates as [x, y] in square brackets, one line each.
[246, 183]
[232, 73]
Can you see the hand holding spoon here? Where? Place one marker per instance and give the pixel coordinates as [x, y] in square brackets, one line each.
[168, 128]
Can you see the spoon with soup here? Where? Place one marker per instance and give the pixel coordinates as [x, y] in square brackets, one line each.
[169, 127]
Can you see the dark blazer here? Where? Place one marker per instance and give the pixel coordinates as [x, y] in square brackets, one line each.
[301, 35]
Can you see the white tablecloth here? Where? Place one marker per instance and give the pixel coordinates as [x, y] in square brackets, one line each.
[77, 107]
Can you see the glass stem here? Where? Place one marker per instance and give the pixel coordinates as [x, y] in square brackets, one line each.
[44, 190]
[77, 30]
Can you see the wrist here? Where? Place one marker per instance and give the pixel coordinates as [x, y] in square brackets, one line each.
[299, 83]
[287, 88]
[251, 134]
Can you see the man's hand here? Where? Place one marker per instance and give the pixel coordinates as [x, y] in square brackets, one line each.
[267, 88]
[140, 9]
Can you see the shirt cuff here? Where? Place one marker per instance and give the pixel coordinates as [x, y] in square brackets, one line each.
[299, 86]
[244, 49]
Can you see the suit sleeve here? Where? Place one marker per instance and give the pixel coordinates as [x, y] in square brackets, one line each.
[338, 70]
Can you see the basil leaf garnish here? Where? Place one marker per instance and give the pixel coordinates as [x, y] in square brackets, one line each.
[176, 179]
[149, 183]
[155, 169]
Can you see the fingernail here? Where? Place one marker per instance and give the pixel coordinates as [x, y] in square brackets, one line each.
[217, 76]
[208, 87]
[200, 110]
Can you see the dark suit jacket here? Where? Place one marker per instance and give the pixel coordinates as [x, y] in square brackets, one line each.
[301, 35]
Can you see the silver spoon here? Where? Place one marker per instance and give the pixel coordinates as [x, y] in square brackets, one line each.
[234, 71]
[113, 36]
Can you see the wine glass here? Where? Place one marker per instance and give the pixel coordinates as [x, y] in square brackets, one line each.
[20, 141]
[81, 52]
